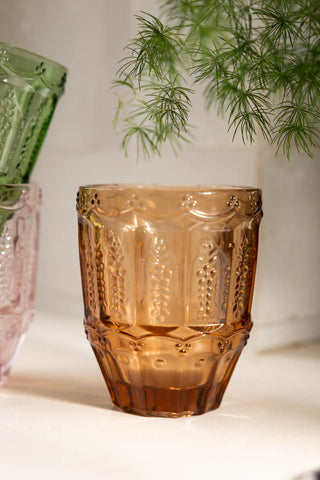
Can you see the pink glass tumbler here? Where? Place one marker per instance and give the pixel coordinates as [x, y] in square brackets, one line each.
[19, 236]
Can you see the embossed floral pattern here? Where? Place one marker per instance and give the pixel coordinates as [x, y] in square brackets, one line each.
[188, 201]
[29, 91]
[255, 202]
[19, 215]
[207, 276]
[41, 68]
[116, 276]
[246, 261]
[4, 57]
[7, 107]
[135, 202]
[95, 200]
[160, 280]
[233, 202]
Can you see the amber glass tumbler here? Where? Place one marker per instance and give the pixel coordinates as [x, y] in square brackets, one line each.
[167, 277]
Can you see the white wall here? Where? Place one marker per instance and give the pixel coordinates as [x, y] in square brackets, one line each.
[82, 148]
[288, 301]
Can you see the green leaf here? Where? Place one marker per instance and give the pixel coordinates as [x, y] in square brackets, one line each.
[257, 60]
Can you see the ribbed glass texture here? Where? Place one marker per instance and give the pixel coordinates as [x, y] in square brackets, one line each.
[19, 234]
[30, 86]
[167, 277]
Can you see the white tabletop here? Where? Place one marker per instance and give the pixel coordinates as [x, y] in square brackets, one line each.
[57, 420]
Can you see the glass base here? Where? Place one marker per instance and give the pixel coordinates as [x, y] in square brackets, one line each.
[4, 374]
[155, 383]
[168, 402]
[13, 328]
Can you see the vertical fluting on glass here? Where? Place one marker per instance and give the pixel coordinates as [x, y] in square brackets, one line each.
[19, 237]
[167, 277]
[30, 86]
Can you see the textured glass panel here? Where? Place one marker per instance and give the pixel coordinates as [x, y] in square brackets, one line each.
[30, 87]
[19, 232]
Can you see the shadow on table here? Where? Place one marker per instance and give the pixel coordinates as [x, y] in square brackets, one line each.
[74, 390]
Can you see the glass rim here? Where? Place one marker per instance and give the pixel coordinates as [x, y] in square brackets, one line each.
[30, 186]
[14, 196]
[166, 187]
[21, 52]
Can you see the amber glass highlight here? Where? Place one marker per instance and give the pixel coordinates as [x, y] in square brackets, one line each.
[167, 277]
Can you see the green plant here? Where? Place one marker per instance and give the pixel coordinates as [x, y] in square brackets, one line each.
[258, 62]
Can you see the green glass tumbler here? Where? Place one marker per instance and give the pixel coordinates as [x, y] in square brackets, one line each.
[30, 86]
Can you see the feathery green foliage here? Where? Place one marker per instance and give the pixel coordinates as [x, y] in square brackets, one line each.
[258, 63]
